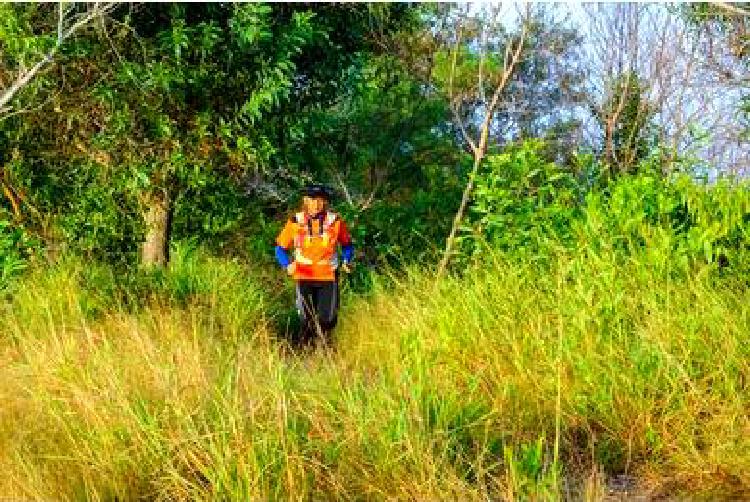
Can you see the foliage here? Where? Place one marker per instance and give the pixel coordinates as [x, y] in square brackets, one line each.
[98, 212]
[522, 200]
[27, 34]
[687, 221]
[205, 107]
[528, 206]
[404, 230]
[193, 278]
[16, 248]
[577, 341]
[630, 137]
[544, 90]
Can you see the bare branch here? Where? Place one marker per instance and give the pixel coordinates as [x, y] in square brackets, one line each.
[509, 68]
[453, 100]
[26, 75]
[731, 8]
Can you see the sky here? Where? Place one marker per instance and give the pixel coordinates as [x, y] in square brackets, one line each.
[689, 93]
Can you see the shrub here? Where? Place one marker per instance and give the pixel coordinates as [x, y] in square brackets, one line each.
[16, 248]
[522, 201]
[526, 205]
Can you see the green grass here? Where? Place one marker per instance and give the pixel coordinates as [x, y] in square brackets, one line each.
[461, 390]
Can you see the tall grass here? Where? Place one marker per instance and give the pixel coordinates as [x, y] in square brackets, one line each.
[459, 390]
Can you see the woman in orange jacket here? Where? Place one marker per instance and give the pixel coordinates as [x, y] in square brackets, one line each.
[315, 234]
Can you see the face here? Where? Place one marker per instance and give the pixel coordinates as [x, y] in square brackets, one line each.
[314, 205]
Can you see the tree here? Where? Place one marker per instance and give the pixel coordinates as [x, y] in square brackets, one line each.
[548, 91]
[167, 103]
[721, 31]
[493, 73]
[31, 37]
[690, 106]
[193, 102]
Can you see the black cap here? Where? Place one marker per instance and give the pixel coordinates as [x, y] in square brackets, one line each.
[318, 191]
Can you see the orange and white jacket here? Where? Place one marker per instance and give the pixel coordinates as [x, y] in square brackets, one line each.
[315, 240]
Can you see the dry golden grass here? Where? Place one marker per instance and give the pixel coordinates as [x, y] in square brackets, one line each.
[459, 391]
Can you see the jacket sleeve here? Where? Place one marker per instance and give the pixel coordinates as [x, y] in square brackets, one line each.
[282, 257]
[286, 237]
[283, 242]
[345, 239]
[347, 253]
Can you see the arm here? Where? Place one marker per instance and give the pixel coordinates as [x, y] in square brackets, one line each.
[283, 242]
[282, 257]
[348, 253]
[347, 248]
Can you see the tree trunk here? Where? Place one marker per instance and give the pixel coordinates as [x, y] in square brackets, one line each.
[479, 150]
[158, 219]
[478, 156]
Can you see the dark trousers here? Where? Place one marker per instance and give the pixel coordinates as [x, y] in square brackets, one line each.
[318, 307]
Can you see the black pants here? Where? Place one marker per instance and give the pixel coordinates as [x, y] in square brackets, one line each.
[318, 307]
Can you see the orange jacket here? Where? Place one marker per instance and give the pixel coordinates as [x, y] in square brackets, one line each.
[315, 241]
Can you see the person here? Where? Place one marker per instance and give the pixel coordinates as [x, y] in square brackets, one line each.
[315, 234]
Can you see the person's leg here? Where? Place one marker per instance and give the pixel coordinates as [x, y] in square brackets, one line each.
[317, 328]
[306, 301]
[328, 306]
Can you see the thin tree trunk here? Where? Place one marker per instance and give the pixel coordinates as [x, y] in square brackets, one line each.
[479, 150]
[158, 220]
[459, 215]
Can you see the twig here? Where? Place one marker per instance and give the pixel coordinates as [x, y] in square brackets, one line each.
[26, 76]
[732, 8]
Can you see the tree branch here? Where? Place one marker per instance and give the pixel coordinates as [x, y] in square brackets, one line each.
[481, 149]
[25, 76]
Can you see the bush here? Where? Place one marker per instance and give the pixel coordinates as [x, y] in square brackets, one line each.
[522, 200]
[528, 206]
[404, 229]
[193, 279]
[678, 220]
[16, 247]
[98, 213]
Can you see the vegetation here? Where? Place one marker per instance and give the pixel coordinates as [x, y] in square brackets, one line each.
[591, 324]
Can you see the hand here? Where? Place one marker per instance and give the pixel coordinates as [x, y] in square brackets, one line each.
[346, 268]
[291, 268]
